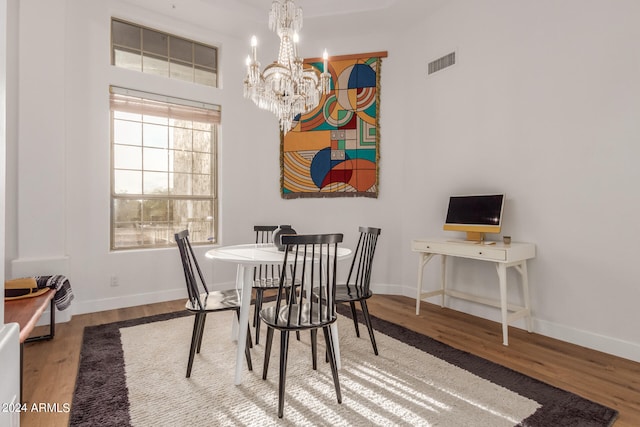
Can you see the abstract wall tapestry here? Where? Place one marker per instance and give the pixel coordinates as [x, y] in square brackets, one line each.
[333, 151]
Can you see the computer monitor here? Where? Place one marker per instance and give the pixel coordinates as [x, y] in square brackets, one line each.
[475, 215]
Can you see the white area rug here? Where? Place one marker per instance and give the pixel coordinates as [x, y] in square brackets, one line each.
[401, 386]
[132, 373]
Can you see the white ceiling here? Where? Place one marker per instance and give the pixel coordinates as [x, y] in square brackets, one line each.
[310, 8]
[236, 17]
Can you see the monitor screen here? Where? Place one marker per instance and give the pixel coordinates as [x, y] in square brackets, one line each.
[475, 210]
[475, 215]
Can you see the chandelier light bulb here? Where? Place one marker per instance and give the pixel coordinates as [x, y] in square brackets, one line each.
[254, 48]
[325, 58]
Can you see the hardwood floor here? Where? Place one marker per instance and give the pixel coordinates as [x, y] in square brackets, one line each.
[50, 367]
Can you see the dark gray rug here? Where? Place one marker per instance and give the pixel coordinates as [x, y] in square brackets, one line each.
[102, 396]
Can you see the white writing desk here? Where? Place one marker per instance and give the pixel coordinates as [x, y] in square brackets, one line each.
[512, 255]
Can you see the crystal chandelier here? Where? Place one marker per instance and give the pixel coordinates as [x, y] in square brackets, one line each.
[285, 87]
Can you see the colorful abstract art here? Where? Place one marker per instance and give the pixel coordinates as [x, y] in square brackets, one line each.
[333, 151]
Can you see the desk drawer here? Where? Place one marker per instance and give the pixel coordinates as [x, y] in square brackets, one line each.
[482, 252]
[465, 250]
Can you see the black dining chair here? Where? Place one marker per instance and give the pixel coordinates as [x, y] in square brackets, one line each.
[313, 259]
[201, 303]
[265, 277]
[356, 289]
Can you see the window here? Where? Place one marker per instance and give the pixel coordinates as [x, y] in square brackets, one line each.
[142, 49]
[163, 157]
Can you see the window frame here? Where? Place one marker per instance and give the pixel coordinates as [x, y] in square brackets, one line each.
[194, 65]
[181, 108]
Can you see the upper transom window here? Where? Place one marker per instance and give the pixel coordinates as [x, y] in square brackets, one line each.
[143, 49]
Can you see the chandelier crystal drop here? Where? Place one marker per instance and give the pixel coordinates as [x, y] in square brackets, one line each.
[286, 87]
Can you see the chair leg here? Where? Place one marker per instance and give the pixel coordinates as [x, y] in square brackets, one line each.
[255, 311]
[332, 359]
[194, 342]
[314, 349]
[256, 322]
[267, 353]
[284, 349]
[204, 318]
[247, 352]
[288, 296]
[249, 340]
[355, 317]
[367, 321]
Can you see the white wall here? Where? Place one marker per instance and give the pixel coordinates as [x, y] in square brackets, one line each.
[76, 238]
[542, 105]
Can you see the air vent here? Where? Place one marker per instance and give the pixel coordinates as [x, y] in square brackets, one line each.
[441, 63]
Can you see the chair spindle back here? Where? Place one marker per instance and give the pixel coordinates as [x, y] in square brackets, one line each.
[362, 262]
[264, 235]
[314, 265]
[190, 267]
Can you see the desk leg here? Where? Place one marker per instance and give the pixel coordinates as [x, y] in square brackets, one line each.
[522, 269]
[423, 259]
[246, 275]
[502, 275]
[421, 263]
[443, 278]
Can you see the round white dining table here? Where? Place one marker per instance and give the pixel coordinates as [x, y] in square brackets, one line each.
[247, 256]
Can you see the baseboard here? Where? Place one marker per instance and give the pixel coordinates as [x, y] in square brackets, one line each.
[389, 289]
[92, 306]
[609, 345]
[102, 304]
[61, 317]
[605, 344]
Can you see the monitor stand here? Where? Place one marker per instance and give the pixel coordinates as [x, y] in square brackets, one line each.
[475, 236]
